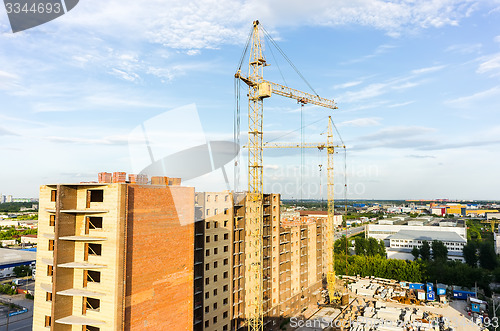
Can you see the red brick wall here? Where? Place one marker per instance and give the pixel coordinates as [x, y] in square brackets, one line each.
[160, 258]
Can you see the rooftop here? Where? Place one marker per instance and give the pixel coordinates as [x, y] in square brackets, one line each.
[12, 256]
[427, 235]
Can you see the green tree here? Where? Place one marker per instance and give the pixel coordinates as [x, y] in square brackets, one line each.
[381, 250]
[487, 256]
[22, 270]
[339, 246]
[439, 251]
[470, 254]
[496, 274]
[360, 246]
[425, 251]
[415, 252]
[380, 267]
[372, 247]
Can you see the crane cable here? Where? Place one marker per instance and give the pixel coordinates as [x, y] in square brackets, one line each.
[277, 64]
[288, 60]
[301, 150]
[345, 191]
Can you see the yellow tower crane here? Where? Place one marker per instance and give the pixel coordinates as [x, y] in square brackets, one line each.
[330, 226]
[258, 89]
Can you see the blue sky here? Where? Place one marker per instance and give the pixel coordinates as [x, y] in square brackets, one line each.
[417, 84]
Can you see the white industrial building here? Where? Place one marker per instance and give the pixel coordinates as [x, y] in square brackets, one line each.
[402, 243]
[11, 258]
[383, 231]
[400, 237]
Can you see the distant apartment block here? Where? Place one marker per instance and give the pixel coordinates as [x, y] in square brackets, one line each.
[293, 262]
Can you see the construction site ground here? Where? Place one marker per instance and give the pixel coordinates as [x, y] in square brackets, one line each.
[320, 319]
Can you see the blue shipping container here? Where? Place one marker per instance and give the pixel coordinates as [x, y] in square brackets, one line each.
[430, 296]
[416, 286]
[463, 295]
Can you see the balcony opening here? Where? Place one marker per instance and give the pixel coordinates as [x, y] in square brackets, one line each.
[90, 276]
[94, 196]
[91, 304]
[93, 223]
[90, 328]
[92, 249]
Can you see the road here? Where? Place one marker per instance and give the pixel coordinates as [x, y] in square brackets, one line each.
[22, 322]
[350, 232]
[25, 324]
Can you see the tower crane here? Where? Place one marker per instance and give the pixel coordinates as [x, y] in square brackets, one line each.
[330, 228]
[258, 90]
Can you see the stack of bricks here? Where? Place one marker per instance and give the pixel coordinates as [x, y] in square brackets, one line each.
[138, 179]
[159, 180]
[119, 177]
[174, 181]
[104, 177]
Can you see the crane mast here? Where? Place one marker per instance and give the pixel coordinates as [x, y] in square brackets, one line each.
[254, 281]
[258, 89]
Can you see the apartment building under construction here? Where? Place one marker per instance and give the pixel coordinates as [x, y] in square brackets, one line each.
[158, 256]
[293, 261]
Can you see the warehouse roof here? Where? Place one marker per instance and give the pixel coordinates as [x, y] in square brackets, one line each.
[12, 257]
[427, 235]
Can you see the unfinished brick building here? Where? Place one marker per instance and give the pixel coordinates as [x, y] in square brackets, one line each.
[293, 261]
[136, 256]
[115, 256]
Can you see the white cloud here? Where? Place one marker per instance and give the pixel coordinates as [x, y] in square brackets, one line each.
[473, 98]
[366, 121]
[198, 24]
[427, 70]
[109, 140]
[129, 76]
[371, 91]
[418, 156]
[5, 132]
[406, 85]
[348, 84]
[492, 63]
[378, 51]
[397, 132]
[465, 48]
[401, 104]
[8, 80]
[496, 39]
